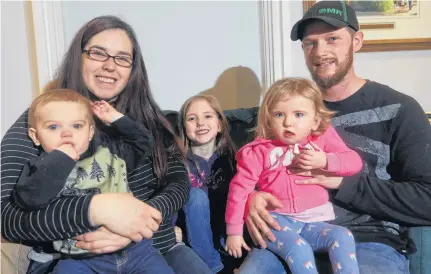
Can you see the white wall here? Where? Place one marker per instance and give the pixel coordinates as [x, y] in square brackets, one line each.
[186, 45]
[405, 71]
[16, 80]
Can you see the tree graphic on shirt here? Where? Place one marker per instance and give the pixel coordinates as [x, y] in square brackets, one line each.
[96, 171]
[81, 173]
[111, 171]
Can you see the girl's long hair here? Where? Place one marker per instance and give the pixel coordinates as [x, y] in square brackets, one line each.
[223, 142]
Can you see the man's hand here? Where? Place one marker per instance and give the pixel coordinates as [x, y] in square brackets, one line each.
[234, 245]
[318, 177]
[101, 241]
[69, 150]
[105, 112]
[258, 218]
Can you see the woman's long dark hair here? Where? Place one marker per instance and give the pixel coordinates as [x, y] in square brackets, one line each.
[135, 100]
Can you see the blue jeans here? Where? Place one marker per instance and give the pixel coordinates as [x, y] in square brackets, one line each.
[180, 257]
[139, 258]
[372, 258]
[297, 241]
[199, 234]
[185, 261]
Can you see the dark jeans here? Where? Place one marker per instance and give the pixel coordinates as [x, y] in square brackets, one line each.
[139, 258]
[180, 258]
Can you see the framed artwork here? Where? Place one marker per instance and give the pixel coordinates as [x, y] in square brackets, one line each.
[392, 25]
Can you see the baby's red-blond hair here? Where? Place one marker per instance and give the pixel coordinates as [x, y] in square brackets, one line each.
[58, 95]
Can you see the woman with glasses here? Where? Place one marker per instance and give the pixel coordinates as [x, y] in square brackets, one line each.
[104, 62]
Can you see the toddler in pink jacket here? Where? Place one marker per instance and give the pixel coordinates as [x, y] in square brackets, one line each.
[294, 137]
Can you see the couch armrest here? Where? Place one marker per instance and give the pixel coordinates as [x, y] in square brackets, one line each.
[14, 258]
[420, 262]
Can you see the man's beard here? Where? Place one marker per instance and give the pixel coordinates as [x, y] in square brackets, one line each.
[330, 81]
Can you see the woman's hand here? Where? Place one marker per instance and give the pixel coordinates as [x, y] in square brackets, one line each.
[123, 214]
[101, 241]
[258, 218]
[318, 177]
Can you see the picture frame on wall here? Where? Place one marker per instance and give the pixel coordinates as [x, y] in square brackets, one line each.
[391, 25]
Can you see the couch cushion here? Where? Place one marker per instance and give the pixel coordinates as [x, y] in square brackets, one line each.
[14, 258]
[420, 262]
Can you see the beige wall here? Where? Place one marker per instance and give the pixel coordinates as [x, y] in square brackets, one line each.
[237, 87]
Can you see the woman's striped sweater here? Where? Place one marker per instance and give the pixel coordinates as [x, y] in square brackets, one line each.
[68, 216]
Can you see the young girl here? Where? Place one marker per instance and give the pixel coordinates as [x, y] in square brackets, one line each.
[294, 133]
[210, 155]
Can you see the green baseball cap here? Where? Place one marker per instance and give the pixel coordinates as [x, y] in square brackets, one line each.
[334, 13]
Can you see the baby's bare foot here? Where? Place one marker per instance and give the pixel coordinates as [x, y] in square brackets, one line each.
[178, 234]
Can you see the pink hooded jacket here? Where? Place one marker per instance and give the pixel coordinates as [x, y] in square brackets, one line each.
[265, 164]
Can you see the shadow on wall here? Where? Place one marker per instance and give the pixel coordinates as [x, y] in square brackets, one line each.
[236, 87]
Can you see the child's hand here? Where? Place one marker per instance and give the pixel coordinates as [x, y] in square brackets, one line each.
[178, 234]
[105, 112]
[309, 159]
[69, 150]
[234, 245]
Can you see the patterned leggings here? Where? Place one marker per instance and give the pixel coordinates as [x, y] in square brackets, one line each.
[296, 242]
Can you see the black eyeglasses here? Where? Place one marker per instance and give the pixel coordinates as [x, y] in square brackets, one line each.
[101, 56]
